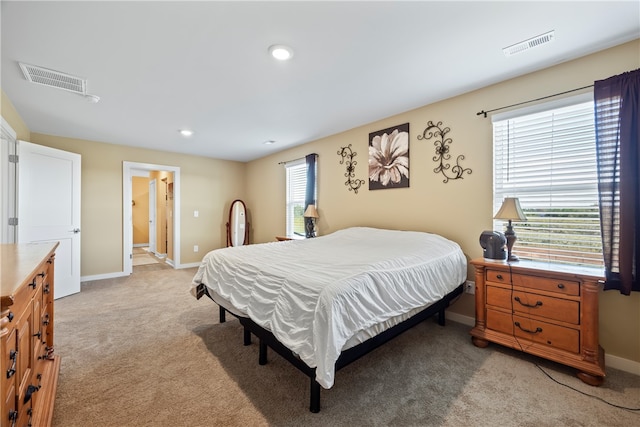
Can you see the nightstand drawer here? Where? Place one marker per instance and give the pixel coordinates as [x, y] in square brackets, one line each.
[532, 330]
[539, 305]
[562, 287]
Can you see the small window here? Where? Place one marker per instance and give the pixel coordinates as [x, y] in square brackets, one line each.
[547, 159]
[296, 188]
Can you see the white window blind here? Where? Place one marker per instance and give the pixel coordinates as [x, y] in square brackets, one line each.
[548, 160]
[296, 187]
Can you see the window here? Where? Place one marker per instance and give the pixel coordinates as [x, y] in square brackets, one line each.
[296, 190]
[547, 158]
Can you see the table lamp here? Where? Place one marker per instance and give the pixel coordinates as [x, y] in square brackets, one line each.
[510, 210]
[310, 215]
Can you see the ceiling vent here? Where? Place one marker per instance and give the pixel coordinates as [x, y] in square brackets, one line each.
[52, 78]
[529, 44]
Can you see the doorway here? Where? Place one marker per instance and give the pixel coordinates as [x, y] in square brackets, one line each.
[167, 240]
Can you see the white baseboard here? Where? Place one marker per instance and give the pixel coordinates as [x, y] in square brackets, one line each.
[610, 360]
[465, 320]
[191, 265]
[102, 276]
[622, 364]
[140, 245]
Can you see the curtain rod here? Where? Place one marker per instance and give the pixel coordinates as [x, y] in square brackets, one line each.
[293, 160]
[532, 100]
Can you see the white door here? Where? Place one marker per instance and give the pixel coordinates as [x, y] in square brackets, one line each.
[152, 216]
[49, 208]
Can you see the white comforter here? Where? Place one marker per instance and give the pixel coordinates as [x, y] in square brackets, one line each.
[315, 294]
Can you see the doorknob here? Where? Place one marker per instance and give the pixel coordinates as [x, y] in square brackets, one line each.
[75, 230]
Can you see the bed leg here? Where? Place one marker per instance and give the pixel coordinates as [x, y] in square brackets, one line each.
[262, 352]
[314, 400]
[441, 317]
[247, 337]
[222, 315]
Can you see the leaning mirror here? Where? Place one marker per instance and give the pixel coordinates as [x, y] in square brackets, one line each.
[237, 227]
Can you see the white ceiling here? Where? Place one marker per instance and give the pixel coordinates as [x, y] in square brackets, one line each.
[162, 66]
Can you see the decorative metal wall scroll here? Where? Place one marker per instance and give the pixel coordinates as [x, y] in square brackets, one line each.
[351, 182]
[389, 158]
[442, 152]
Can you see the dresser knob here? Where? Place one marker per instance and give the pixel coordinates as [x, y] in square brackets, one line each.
[499, 276]
[560, 286]
[10, 316]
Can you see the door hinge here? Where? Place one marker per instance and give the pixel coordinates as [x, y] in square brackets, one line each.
[13, 158]
[13, 221]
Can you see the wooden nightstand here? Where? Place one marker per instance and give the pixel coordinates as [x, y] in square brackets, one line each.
[285, 238]
[544, 309]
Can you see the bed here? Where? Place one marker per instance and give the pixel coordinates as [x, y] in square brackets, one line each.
[322, 303]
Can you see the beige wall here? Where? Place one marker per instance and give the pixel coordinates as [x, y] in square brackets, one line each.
[459, 210]
[140, 209]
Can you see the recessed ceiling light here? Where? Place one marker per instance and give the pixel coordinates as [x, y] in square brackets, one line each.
[186, 132]
[269, 142]
[281, 52]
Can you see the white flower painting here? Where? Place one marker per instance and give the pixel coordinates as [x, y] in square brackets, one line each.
[389, 158]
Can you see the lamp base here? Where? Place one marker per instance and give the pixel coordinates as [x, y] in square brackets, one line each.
[511, 240]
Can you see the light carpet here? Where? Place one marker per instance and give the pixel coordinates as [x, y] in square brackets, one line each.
[141, 256]
[141, 351]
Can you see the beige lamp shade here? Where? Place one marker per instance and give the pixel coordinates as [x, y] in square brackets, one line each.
[311, 212]
[511, 210]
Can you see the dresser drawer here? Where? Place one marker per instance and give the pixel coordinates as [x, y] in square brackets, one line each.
[527, 303]
[561, 287]
[532, 330]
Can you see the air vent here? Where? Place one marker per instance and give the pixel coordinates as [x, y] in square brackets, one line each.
[529, 44]
[52, 78]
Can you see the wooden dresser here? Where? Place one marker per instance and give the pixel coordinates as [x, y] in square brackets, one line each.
[545, 309]
[28, 368]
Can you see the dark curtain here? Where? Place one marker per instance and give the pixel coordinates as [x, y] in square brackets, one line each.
[617, 133]
[310, 192]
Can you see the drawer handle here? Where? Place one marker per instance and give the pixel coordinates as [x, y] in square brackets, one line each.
[538, 330]
[33, 284]
[13, 355]
[30, 390]
[560, 286]
[499, 277]
[537, 304]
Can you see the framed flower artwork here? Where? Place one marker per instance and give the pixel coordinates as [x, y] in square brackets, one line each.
[389, 158]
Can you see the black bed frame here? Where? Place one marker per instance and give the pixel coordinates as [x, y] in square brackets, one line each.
[267, 339]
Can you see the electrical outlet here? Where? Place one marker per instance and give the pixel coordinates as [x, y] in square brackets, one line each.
[470, 287]
[195, 248]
